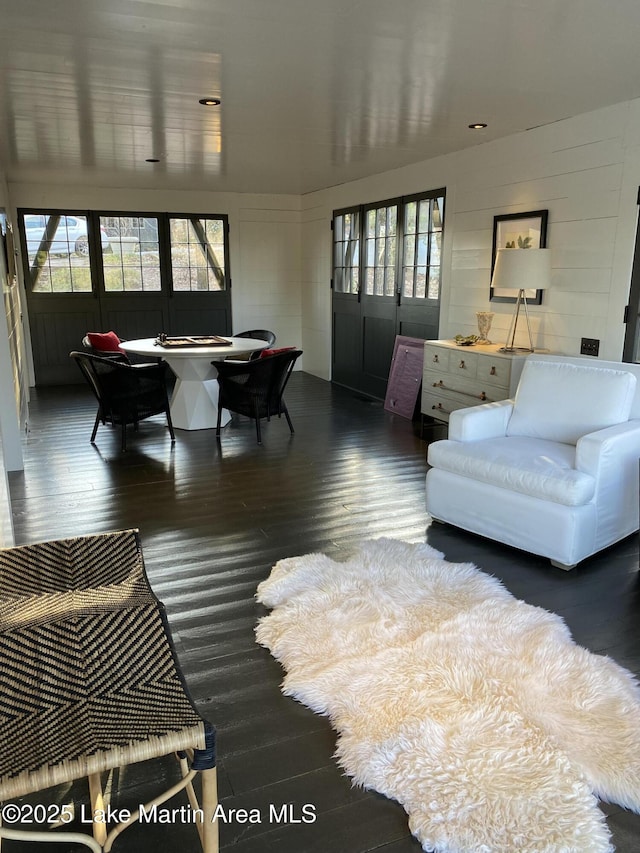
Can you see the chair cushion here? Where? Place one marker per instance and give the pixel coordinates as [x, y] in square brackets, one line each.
[533, 466]
[267, 352]
[105, 341]
[562, 402]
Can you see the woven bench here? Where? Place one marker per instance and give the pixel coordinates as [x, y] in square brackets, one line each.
[89, 682]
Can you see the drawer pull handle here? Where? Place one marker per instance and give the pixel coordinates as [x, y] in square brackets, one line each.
[492, 372]
[481, 396]
[461, 365]
[436, 359]
[440, 408]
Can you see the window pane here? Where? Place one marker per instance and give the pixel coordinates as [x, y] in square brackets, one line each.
[409, 249]
[422, 247]
[391, 252]
[438, 208]
[58, 253]
[369, 282]
[371, 253]
[410, 217]
[434, 283]
[197, 254]
[57, 246]
[346, 252]
[131, 262]
[407, 282]
[390, 281]
[421, 282]
[371, 223]
[434, 256]
[423, 221]
[392, 219]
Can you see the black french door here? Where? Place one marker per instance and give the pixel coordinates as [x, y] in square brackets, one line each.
[386, 282]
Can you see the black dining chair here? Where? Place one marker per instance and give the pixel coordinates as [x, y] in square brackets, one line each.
[255, 388]
[257, 335]
[126, 393]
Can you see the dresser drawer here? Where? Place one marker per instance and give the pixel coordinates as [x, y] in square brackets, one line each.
[466, 390]
[439, 407]
[496, 371]
[436, 358]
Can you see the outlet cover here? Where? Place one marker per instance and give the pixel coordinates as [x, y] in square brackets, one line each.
[589, 346]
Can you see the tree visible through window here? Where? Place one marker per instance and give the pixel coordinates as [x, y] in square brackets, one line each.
[197, 254]
[402, 248]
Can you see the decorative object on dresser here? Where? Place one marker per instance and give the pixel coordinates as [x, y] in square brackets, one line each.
[476, 712]
[553, 471]
[525, 270]
[455, 378]
[484, 318]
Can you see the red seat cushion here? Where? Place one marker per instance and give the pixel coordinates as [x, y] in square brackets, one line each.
[266, 352]
[105, 341]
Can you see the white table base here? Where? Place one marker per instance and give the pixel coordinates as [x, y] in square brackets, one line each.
[194, 403]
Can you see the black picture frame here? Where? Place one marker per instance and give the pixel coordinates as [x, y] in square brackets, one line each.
[508, 228]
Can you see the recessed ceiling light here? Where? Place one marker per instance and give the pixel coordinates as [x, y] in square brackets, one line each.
[477, 126]
[210, 102]
[152, 160]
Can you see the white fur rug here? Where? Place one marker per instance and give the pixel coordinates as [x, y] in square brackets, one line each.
[475, 711]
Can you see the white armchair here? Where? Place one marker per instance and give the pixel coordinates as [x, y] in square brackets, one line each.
[553, 472]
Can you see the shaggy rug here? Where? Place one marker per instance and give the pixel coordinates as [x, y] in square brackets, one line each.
[475, 711]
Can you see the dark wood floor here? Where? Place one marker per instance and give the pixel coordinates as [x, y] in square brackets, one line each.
[213, 522]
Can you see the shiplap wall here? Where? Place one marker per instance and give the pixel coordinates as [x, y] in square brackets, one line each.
[585, 171]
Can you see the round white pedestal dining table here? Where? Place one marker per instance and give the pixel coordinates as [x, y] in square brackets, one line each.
[194, 402]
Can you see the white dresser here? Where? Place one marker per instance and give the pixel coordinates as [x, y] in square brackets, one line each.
[456, 377]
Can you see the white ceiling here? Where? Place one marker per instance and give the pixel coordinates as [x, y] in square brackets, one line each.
[314, 92]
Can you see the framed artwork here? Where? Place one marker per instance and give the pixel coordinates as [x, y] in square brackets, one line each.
[518, 231]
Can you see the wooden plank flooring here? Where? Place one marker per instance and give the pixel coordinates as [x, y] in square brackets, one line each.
[213, 522]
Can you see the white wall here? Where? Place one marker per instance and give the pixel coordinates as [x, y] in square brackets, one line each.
[264, 243]
[585, 171]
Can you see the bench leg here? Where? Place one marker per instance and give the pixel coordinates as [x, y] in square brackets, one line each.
[97, 803]
[210, 839]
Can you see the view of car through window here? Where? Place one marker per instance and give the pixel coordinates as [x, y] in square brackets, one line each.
[69, 236]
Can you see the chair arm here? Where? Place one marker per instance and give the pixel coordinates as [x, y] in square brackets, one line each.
[611, 457]
[476, 423]
[613, 446]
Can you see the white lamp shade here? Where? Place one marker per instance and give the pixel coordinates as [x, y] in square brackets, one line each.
[526, 269]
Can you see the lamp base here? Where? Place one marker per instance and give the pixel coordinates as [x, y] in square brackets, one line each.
[516, 349]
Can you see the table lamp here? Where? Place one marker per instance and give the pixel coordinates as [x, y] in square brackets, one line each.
[521, 270]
